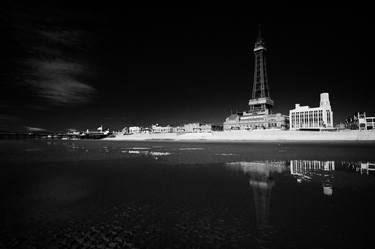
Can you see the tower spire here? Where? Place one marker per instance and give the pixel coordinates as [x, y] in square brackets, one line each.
[260, 38]
[259, 43]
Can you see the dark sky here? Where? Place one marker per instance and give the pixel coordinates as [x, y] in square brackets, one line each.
[79, 66]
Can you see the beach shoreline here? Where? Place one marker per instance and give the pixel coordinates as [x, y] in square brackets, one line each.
[252, 136]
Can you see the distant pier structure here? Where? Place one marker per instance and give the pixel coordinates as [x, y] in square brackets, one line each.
[259, 115]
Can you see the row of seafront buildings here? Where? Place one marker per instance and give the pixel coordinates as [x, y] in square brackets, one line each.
[300, 118]
[186, 128]
[260, 116]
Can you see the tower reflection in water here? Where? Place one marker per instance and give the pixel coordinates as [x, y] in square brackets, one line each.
[309, 170]
[262, 180]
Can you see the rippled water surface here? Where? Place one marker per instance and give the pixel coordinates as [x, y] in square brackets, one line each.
[97, 194]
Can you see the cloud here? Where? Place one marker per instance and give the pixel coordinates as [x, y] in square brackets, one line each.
[34, 128]
[7, 118]
[49, 51]
[55, 67]
[53, 64]
[66, 37]
[63, 90]
[56, 81]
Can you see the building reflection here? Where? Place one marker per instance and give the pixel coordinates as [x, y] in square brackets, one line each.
[367, 168]
[263, 178]
[364, 168]
[261, 181]
[309, 170]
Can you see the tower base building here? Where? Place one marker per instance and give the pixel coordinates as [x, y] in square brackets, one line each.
[252, 121]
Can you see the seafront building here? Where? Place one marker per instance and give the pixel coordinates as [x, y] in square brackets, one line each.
[161, 129]
[367, 123]
[186, 128]
[259, 115]
[125, 130]
[360, 121]
[178, 129]
[197, 127]
[317, 118]
[135, 129]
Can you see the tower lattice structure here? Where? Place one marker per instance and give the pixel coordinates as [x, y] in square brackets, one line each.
[260, 101]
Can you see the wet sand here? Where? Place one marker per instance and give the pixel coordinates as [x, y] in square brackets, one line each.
[113, 194]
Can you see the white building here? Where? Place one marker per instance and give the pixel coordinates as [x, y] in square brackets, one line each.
[178, 129]
[191, 127]
[197, 127]
[253, 121]
[205, 128]
[162, 129]
[135, 129]
[370, 123]
[360, 121]
[125, 130]
[317, 118]
[366, 123]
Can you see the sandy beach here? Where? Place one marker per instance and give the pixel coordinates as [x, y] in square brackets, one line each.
[257, 135]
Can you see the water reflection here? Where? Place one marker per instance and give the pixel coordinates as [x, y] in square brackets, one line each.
[307, 170]
[364, 168]
[262, 176]
[261, 181]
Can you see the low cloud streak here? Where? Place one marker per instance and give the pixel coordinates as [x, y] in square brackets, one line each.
[64, 90]
[56, 81]
[57, 66]
[66, 37]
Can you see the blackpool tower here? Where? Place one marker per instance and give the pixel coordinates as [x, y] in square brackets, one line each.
[259, 115]
[260, 101]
